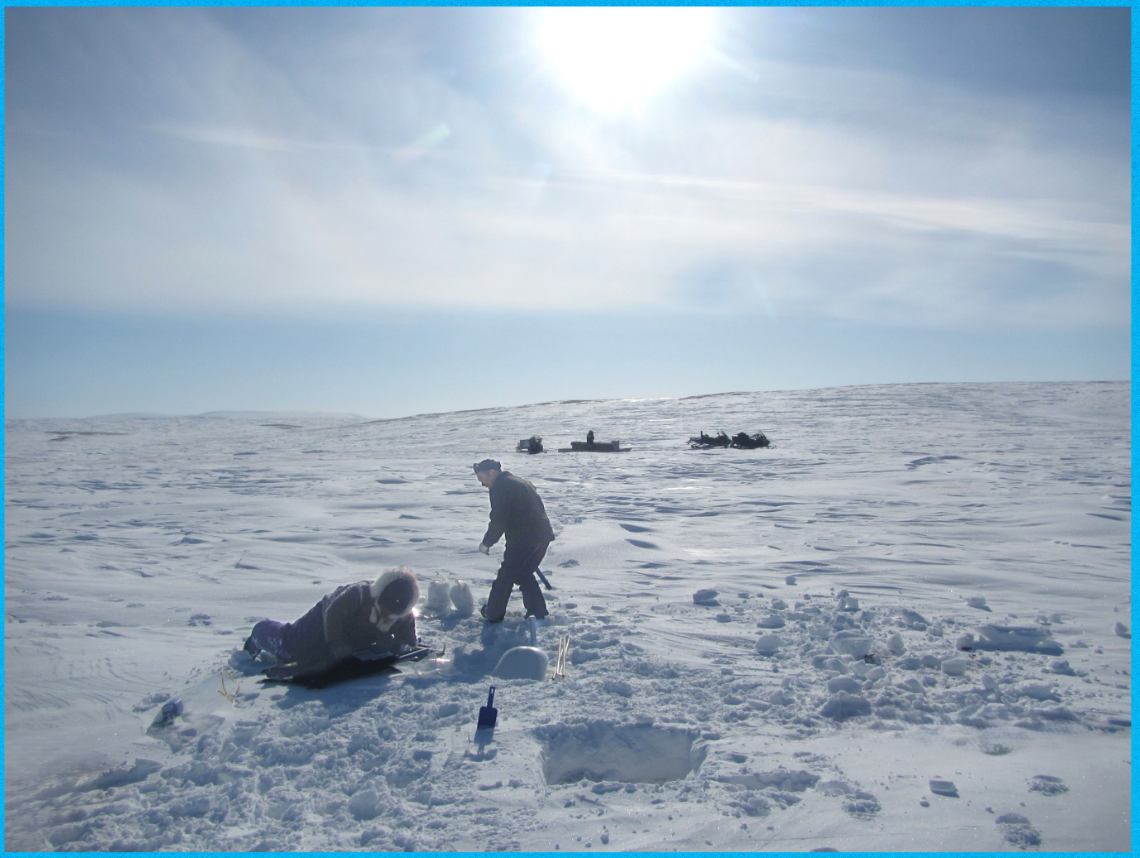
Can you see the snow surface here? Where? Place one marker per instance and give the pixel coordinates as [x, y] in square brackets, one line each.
[904, 626]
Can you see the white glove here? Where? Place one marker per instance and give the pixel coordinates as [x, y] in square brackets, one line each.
[483, 549]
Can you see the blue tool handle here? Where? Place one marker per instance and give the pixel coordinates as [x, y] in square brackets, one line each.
[491, 696]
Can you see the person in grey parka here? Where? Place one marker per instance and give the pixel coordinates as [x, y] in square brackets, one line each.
[518, 513]
[376, 617]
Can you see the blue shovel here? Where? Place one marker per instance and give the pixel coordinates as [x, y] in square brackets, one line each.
[488, 714]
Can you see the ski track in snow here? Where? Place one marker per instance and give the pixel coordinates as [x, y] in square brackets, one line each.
[918, 637]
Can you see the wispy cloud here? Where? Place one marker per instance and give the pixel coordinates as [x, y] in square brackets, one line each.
[780, 187]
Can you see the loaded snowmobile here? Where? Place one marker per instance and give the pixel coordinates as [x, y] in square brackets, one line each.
[744, 441]
[704, 442]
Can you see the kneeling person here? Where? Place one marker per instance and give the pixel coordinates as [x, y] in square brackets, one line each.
[372, 616]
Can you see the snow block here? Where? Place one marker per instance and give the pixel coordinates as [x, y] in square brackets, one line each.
[844, 683]
[842, 706]
[852, 643]
[955, 666]
[1011, 639]
[705, 597]
[522, 662]
[768, 645]
[946, 788]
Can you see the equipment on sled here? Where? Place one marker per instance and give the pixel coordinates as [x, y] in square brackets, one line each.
[704, 442]
[531, 445]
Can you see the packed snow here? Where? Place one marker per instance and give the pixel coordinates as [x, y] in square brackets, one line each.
[906, 625]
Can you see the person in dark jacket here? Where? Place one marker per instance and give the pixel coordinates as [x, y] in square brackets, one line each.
[516, 512]
[376, 617]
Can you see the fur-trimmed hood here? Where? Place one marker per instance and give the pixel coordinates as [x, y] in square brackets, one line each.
[411, 592]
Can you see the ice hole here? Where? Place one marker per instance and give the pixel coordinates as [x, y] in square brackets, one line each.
[637, 753]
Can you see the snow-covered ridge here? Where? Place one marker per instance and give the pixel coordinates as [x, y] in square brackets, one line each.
[905, 626]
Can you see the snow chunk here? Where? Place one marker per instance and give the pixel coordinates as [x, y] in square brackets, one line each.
[705, 597]
[844, 683]
[842, 706]
[366, 804]
[895, 645]
[946, 788]
[849, 642]
[140, 771]
[522, 662]
[955, 666]
[914, 620]
[618, 686]
[1011, 639]
[1038, 691]
[768, 645]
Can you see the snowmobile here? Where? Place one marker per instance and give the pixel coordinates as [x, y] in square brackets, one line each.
[744, 441]
[704, 442]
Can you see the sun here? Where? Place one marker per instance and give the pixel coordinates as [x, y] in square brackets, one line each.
[614, 58]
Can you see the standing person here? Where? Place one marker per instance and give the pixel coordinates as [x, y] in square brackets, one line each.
[517, 512]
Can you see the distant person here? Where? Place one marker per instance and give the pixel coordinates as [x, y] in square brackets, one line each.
[373, 616]
[517, 512]
[590, 438]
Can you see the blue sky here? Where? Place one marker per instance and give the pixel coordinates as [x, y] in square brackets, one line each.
[391, 211]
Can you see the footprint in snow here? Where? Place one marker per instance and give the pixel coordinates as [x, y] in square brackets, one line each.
[861, 804]
[641, 543]
[1047, 785]
[1016, 829]
[634, 528]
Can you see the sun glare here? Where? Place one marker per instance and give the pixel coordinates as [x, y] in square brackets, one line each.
[613, 59]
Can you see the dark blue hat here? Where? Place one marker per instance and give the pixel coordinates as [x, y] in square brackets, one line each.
[487, 465]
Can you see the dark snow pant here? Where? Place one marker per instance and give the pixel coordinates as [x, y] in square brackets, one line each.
[519, 563]
[285, 641]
